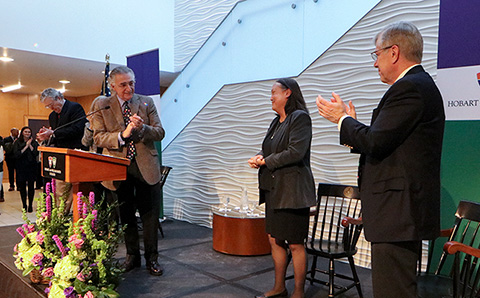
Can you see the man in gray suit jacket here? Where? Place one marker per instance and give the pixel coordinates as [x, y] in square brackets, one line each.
[399, 172]
[129, 129]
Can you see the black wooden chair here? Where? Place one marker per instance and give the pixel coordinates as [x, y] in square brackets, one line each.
[464, 232]
[336, 229]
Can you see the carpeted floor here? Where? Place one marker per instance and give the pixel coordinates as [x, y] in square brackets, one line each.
[192, 269]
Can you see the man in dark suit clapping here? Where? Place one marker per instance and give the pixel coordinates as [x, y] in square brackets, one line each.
[399, 172]
[68, 136]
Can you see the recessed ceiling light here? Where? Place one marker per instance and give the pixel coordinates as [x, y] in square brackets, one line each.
[64, 81]
[11, 88]
[6, 59]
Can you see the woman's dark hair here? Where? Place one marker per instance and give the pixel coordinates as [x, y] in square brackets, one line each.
[295, 100]
[20, 137]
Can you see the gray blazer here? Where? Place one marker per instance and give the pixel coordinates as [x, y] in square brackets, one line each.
[287, 174]
[108, 123]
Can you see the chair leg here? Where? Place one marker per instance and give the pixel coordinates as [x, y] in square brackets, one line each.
[313, 270]
[160, 228]
[355, 276]
[331, 274]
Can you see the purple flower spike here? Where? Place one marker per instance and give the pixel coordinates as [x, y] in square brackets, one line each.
[95, 213]
[79, 203]
[54, 186]
[59, 244]
[91, 198]
[48, 203]
[85, 210]
[48, 188]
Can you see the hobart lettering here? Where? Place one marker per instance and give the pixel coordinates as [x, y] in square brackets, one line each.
[462, 103]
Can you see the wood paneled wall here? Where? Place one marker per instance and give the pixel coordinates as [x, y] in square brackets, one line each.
[16, 109]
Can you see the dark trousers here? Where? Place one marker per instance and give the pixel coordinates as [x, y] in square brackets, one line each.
[394, 269]
[22, 187]
[11, 171]
[134, 193]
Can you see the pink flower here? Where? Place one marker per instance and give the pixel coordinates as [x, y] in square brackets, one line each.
[88, 295]
[15, 248]
[48, 272]
[80, 276]
[21, 232]
[31, 228]
[76, 241]
[39, 237]
[37, 259]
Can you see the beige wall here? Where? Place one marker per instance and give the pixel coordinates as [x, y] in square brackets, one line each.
[17, 108]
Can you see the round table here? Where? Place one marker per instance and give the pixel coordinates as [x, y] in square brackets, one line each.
[239, 234]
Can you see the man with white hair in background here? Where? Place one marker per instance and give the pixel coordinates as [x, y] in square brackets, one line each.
[399, 171]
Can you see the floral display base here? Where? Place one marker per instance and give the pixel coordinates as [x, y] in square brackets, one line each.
[38, 278]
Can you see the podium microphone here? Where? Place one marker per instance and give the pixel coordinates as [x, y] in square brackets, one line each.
[74, 121]
[81, 118]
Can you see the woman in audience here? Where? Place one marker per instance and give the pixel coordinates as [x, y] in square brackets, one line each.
[25, 151]
[286, 183]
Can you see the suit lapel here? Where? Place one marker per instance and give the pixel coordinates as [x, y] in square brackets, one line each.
[117, 110]
[134, 104]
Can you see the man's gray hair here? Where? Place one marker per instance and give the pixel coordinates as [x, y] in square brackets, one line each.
[406, 36]
[119, 70]
[52, 93]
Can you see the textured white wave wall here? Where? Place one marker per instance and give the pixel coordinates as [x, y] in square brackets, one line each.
[194, 21]
[209, 158]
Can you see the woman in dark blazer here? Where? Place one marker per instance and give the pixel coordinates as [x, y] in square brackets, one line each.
[25, 152]
[286, 183]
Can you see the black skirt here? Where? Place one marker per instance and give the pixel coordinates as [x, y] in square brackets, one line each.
[290, 225]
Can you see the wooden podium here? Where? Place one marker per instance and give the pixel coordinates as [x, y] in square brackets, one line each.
[75, 166]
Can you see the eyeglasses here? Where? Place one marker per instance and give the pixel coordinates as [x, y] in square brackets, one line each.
[375, 55]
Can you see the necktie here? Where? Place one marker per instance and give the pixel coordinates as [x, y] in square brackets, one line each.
[127, 113]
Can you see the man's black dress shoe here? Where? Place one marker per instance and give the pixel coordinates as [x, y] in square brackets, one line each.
[279, 295]
[154, 268]
[131, 261]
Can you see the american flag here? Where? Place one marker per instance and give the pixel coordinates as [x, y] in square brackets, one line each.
[105, 90]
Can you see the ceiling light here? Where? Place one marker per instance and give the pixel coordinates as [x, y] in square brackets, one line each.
[11, 88]
[64, 81]
[6, 59]
[61, 90]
